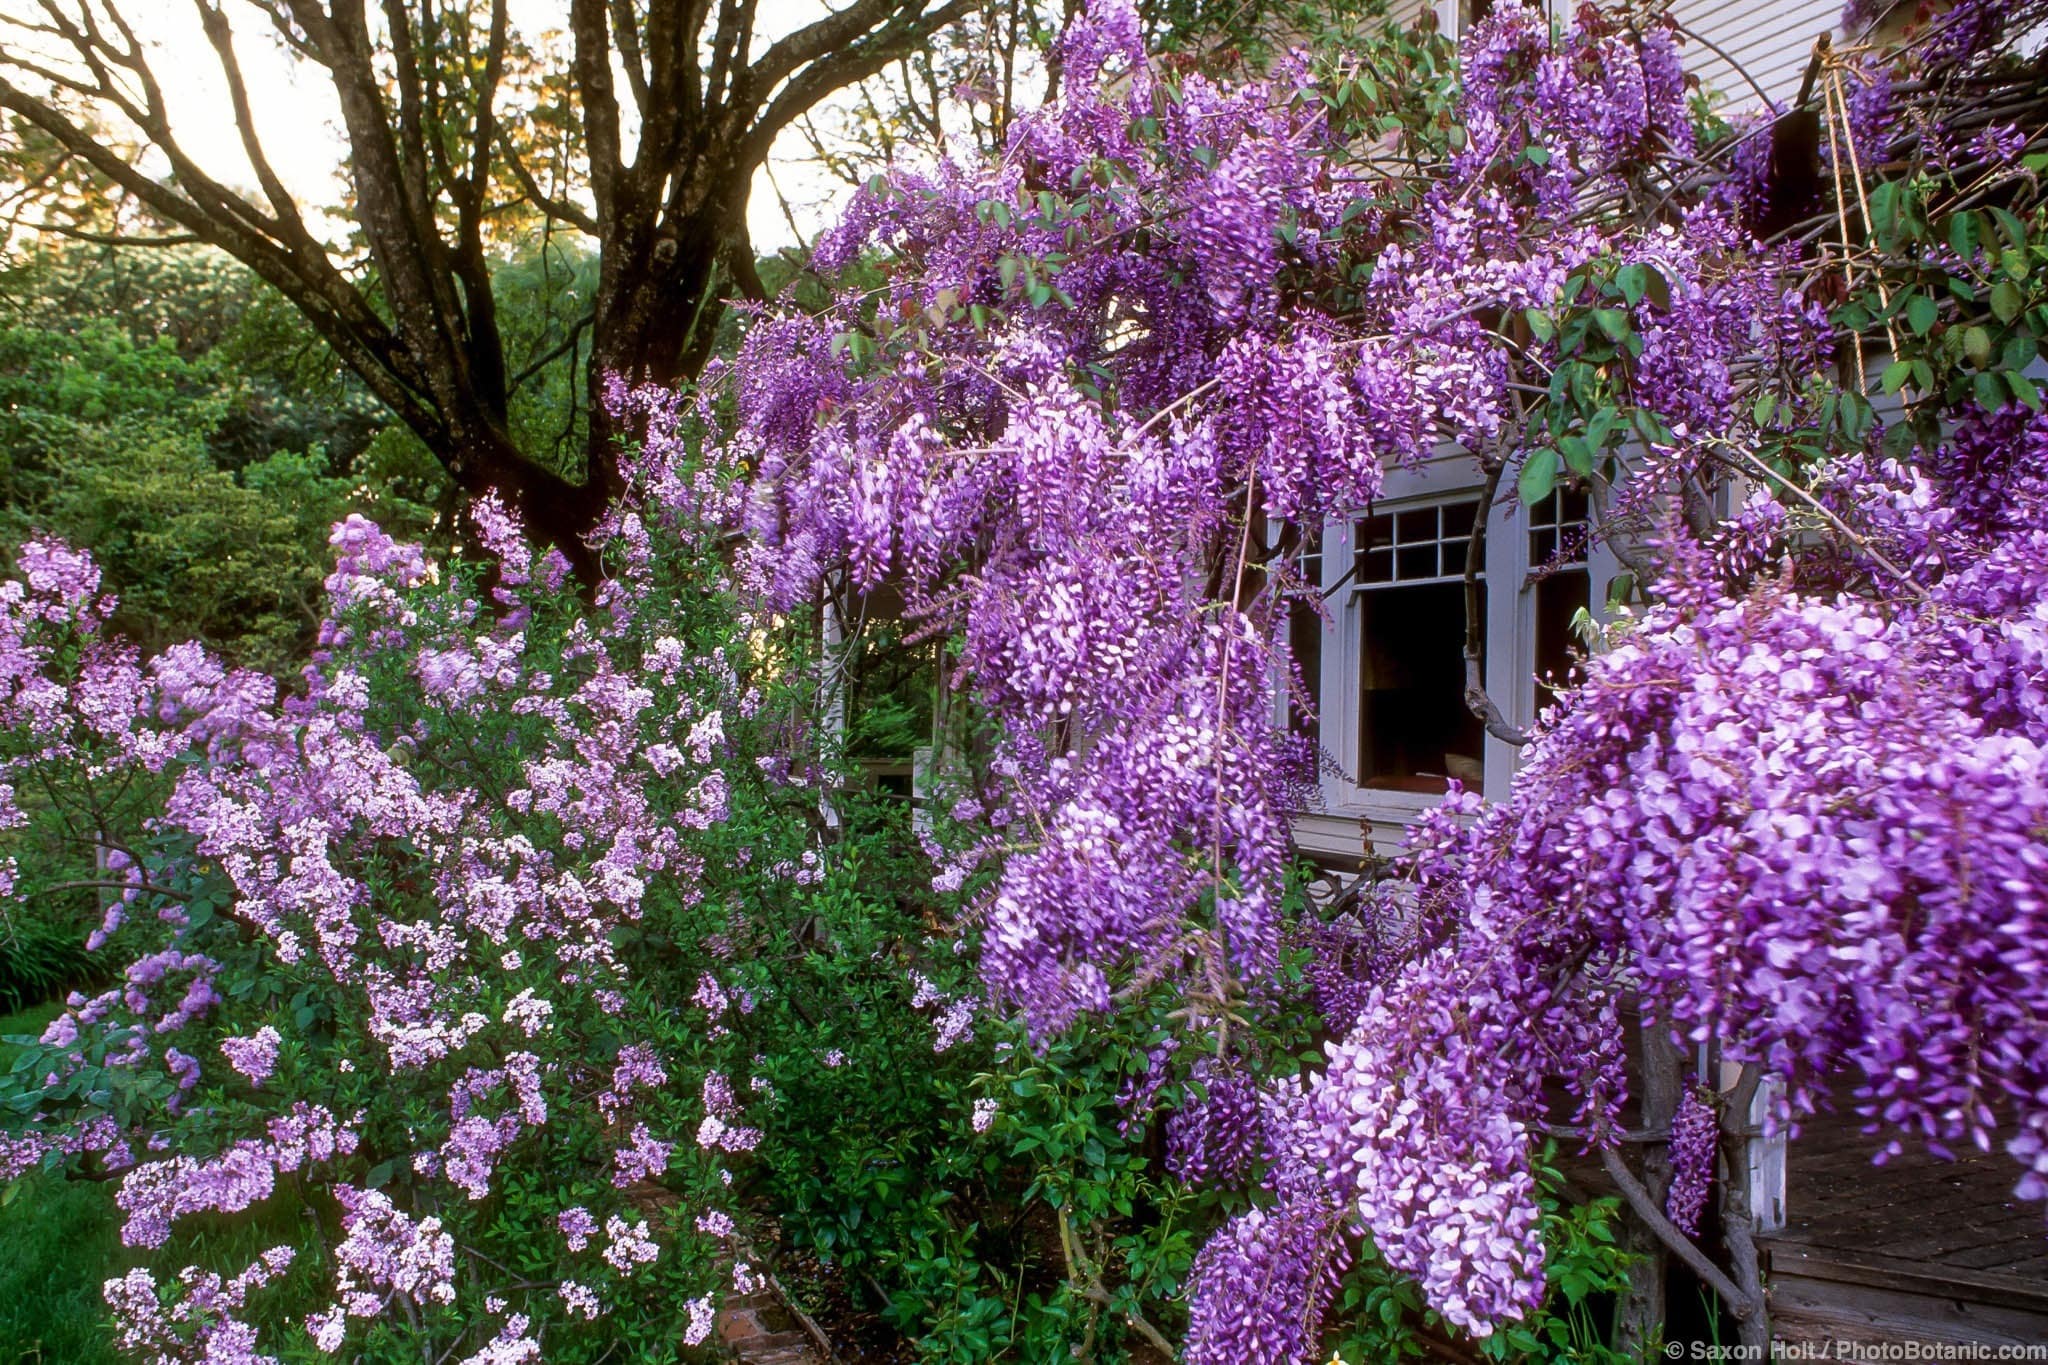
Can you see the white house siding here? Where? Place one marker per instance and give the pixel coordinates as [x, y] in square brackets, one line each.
[1772, 40]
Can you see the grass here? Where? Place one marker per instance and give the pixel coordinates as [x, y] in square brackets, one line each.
[58, 1239]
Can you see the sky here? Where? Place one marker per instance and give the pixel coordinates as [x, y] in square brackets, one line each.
[298, 118]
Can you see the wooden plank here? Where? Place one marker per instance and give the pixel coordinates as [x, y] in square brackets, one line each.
[1794, 1261]
[1811, 1310]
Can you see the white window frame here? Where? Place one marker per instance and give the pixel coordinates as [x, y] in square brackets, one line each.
[1354, 820]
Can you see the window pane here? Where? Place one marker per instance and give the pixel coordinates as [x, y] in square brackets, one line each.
[1376, 533]
[1559, 597]
[1415, 731]
[1305, 639]
[1417, 524]
[1415, 561]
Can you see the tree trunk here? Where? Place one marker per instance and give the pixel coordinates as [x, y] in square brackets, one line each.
[1640, 1319]
[1738, 1219]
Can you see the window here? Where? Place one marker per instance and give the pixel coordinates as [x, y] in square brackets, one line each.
[1559, 584]
[1415, 732]
[1305, 641]
[1386, 658]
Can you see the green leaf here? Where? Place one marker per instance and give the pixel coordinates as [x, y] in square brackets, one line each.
[1578, 455]
[1630, 280]
[1538, 476]
[1601, 427]
[2009, 223]
[2007, 300]
[1652, 431]
[1990, 391]
[1920, 314]
[1612, 321]
[1884, 208]
[1896, 374]
[1962, 234]
[1977, 345]
[1540, 324]
[1656, 288]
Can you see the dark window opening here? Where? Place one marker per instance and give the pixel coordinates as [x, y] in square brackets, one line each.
[1305, 640]
[1559, 529]
[1415, 732]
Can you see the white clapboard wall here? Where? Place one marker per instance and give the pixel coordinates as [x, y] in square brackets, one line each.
[1770, 39]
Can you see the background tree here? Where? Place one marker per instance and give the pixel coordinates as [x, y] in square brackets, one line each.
[457, 128]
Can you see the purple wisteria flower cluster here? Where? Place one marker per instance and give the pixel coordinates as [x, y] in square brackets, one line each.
[1115, 379]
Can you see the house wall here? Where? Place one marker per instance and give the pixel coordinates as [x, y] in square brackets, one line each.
[1770, 40]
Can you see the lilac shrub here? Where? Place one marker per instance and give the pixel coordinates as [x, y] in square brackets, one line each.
[407, 945]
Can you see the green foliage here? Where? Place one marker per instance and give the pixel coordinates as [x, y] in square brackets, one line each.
[544, 295]
[150, 410]
[40, 956]
[1963, 300]
[57, 1239]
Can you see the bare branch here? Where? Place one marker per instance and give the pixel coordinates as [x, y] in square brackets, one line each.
[1680, 1245]
[551, 205]
[553, 353]
[853, 62]
[218, 33]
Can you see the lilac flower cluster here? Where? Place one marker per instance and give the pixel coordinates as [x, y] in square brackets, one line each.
[195, 1318]
[452, 914]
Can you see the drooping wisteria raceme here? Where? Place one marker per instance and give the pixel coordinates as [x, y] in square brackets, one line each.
[1112, 381]
[1169, 332]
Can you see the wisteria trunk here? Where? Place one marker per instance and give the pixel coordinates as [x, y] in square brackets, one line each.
[1738, 1219]
[1640, 1317]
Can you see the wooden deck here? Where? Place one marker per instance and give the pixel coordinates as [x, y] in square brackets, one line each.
[1918, 1249]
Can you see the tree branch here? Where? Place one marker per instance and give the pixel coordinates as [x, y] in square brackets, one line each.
[1681, 1246]
[552, 354]
[853, 62]
[1477, 700]
[548, 204]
